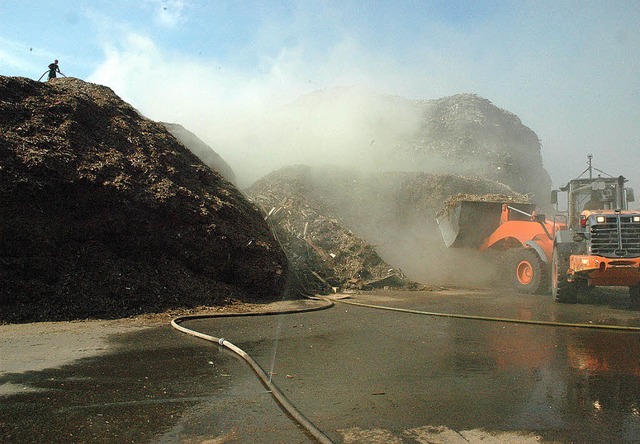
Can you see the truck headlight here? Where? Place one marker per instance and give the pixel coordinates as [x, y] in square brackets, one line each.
[601, 219]
[636, 218]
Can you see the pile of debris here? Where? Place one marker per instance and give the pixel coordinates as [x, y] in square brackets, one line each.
[105, 214]
[502, 198]
[323, 252]
[460, 135]
[469, 135]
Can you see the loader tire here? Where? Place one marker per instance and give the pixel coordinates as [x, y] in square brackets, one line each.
[561, 289]
[525, 271]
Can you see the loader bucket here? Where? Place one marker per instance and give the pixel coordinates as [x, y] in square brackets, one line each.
[468, 223]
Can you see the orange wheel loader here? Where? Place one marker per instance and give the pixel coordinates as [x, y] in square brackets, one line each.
[523, 238]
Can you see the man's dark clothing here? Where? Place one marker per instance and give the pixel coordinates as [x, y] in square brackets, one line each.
[52, 70]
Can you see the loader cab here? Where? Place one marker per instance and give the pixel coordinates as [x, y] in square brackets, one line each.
[601, 193]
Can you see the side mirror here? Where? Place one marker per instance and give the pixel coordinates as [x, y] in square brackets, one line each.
[554, 196]
[630, 196]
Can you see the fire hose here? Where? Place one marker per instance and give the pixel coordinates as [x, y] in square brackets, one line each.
[282, 400]
[495, 319]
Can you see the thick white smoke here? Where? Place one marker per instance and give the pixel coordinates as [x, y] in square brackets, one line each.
[255, 120]
[581, 100]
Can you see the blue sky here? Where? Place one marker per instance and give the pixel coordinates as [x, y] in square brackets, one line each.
[569, 69]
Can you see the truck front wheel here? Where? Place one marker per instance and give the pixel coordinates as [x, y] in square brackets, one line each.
[561, 289]
[525, 270]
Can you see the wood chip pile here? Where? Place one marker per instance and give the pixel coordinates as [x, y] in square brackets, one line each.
[105, 214]
[502, 198]
[325, 254]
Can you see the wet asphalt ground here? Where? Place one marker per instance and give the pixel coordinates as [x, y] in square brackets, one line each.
[359, 374]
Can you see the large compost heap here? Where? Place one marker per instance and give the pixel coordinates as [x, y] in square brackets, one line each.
[104, 213]
[461, 135]
[323, 251]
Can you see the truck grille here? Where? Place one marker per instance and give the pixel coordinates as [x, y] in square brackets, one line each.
[618, 236]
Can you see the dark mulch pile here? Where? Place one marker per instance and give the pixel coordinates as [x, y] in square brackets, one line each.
[105, 214]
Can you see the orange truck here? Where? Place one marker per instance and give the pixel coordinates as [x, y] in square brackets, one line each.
[521, 238]
[595, 242]
[600, 245]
